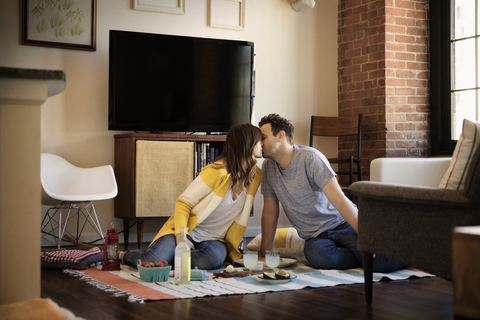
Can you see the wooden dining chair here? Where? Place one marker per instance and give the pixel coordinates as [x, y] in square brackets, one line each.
[350, 130]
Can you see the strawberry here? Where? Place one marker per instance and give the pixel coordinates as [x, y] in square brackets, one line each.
[165, 263]
[159, 264]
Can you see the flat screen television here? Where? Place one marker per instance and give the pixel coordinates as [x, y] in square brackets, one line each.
[165, 83]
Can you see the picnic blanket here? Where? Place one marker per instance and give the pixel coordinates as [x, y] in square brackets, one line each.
[127, 282]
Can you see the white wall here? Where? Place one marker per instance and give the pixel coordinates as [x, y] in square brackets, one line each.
[296, 75]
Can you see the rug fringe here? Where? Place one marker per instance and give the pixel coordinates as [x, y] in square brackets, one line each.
[103, 286]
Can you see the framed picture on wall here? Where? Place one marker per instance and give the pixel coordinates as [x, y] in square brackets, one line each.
[67, 24]
[227, 14]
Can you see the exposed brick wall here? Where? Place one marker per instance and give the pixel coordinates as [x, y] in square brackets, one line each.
[383, 70]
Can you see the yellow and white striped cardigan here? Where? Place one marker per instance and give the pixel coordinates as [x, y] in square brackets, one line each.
[201, 198]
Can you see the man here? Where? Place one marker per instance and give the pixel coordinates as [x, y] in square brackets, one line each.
[302, 180]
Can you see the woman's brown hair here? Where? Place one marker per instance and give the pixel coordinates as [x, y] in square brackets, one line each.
[237, 155]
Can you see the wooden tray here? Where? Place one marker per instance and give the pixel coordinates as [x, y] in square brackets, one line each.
[239, 274]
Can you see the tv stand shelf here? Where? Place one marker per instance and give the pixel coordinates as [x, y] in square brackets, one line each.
[150, 167]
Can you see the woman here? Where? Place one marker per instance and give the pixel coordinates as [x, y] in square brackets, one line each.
[214, 208]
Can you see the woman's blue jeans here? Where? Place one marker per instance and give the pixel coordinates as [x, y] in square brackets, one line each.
[337, 249]
[207, 255]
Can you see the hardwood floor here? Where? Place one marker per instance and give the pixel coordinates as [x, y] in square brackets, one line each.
[427, 298]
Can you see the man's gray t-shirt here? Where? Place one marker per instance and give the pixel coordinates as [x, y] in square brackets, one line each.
[299, 190]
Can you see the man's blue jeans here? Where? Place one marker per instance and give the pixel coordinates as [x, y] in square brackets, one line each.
[337, 249]
[207, 255]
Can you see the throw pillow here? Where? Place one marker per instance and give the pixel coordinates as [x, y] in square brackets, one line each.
[468, 142]
[88, 262]
[287, 241]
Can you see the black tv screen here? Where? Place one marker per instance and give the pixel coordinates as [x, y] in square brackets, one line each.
[161, 83]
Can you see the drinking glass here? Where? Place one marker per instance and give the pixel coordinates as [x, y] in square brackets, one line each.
[272, 258]
[250, 260]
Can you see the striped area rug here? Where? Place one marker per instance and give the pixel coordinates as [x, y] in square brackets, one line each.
[127, 282]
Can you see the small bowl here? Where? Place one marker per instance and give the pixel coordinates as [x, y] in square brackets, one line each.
[259, 267]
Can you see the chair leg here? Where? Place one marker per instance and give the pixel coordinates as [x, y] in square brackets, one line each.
[368, 275]
[50, 221]
[87, 209]
[350, 180]
[91, 217]
[359, 171]
[63, 229]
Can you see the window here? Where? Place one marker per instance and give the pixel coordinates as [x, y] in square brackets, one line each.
[455, 91]
[465, 51]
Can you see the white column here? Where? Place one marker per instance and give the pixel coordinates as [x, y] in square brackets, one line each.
[20, 189]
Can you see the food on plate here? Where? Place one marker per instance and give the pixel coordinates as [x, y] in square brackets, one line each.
[268, 275]
[230, 269]
[282, 274]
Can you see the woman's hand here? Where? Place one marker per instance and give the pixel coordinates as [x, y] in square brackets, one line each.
[189, 243]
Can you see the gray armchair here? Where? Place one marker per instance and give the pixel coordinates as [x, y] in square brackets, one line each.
[414, 224]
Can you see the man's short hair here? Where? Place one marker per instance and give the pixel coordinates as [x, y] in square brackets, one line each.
[278, 124]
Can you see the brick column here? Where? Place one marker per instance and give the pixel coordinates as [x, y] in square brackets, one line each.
[383, 70]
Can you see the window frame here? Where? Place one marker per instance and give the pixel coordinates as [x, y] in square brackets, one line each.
[440, 78]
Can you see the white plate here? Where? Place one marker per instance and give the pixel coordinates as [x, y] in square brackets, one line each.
[284, 262]
[275, 281]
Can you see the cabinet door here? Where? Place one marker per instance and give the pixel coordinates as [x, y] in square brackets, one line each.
[164, 169]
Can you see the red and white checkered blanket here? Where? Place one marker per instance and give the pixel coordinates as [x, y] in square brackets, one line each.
[69, 256]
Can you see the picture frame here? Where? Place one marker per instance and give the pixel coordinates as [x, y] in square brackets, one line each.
[66, 24]
[162, 6]
[227, 14]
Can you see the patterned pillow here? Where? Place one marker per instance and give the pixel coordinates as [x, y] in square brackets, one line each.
[88, 262]
[287, 241]
[466, 146]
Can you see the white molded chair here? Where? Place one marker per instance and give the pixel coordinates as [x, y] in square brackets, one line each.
[70, 190]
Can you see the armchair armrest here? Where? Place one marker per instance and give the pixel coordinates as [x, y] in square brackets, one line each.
[409, 194]
[409, 171]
